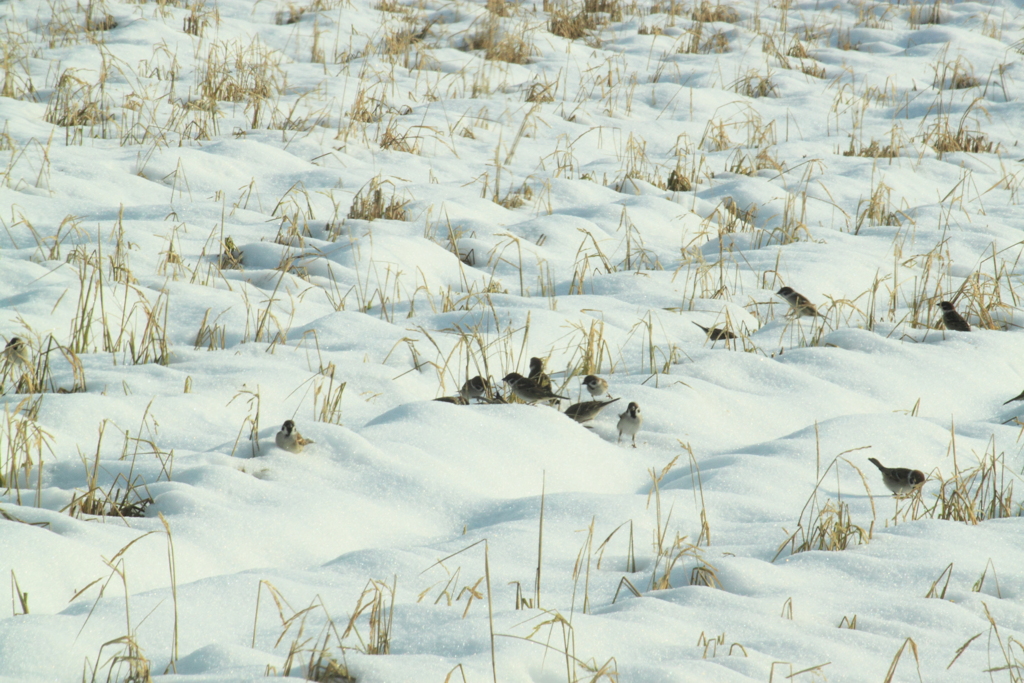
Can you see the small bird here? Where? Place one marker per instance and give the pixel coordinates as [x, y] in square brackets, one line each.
[951, 319]
[474, 388]
[529, 390]
[16, 352]
[1018, 397]
[629, 422]
[457, 400]
[289, 438]
[230, 255]
[799, 304]
[587, 410]
[537, 373]
[596, 385]
[899, 480]
[716, 333]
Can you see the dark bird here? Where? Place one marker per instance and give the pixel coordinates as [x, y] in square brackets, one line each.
[537, 373]
[953, 320]
[289, 438]
[474, 388]
[1018, 397]
[799, 304]
[596, 385]
[457, 400]
[629, 422]
[529, 390]
[716, 333]
[587, 410]
[899, 480]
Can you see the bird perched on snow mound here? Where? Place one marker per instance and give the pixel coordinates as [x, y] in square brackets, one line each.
[899, 480]
[597, 386]
[798, 303]
[289, 438]
[587, 410]
[529, 390]
[953, 320]
[630, 421]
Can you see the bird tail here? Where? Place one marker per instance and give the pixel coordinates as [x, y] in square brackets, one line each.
[877, 464]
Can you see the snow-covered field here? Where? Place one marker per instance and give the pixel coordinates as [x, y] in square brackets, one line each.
[218, 216]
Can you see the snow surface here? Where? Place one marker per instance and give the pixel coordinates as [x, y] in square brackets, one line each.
[214, 581]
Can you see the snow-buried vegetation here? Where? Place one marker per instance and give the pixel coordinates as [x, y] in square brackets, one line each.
[219, 216]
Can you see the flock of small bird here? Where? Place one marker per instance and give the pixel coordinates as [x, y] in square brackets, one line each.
[536, 388]
[800, 305]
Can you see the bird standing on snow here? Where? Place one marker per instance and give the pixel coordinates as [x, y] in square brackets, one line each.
[717, 333]
[587, 410]
[474, 388]
[953, 320]
[289, 438]
[899, 480]
[596, 385]
[16, 352]
[529, 390]
[629, 422]
[799, 304]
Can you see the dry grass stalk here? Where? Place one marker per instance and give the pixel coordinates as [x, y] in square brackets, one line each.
[572, 25]
[874, 150]
[230, 257]
[920, 14]
[22, 442]
[241, 72]
[369, 204]
[378, 599]
[753, 84]
[400, 41]
[878, 209]
[76, 103]
[252, 419]
[955, 75]
[327, 395]
[891, 673]
[128, 495]
[210, 335]
[542, 91]
[321, 665]
[199, 18]
[127, 665]
[978, 493]
[503, 45]
[705, 12]
[828, 526]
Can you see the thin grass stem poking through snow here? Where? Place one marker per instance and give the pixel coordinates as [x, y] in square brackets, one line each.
[828, 525]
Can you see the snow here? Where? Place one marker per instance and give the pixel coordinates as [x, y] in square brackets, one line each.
[526, 228]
